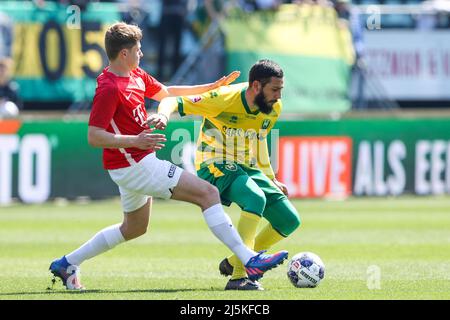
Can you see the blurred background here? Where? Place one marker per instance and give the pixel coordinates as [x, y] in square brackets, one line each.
[366, 98]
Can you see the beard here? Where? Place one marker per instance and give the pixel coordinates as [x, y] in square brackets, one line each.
[264, 106]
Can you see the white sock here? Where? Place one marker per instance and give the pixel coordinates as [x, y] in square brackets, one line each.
[104, 240]
[222, 227]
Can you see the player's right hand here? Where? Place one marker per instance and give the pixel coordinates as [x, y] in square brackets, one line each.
[148, 140]
[157, 120]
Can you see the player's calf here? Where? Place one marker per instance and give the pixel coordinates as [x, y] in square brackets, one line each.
[135, 223]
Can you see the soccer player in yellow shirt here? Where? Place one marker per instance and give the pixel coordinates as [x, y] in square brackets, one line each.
[232, 154]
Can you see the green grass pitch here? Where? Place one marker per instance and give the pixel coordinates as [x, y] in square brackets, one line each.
[373, 248]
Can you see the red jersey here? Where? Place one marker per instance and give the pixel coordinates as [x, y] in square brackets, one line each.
[119, 108]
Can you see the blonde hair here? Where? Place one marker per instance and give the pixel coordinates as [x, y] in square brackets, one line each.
[121, 36]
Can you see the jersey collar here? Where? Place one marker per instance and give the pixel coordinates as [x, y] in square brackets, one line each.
[244, 102]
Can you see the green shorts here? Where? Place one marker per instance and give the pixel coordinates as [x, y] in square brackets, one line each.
[223, 175]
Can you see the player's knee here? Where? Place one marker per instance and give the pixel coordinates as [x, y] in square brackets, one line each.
[209, 191]
[289, 223]
[208, 195]
[283, 217]
[295, 221]
[254, 203]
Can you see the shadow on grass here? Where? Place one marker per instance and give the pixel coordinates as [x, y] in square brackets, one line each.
[51, 292]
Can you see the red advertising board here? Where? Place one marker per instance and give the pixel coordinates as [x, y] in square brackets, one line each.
[316, 166]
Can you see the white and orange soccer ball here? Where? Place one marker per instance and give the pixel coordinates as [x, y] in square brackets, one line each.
[305, 270]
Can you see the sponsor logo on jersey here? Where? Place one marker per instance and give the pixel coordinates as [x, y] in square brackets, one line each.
[140, 83]
[239, 132]
[195, 99]
[140, 115]
[172, 171]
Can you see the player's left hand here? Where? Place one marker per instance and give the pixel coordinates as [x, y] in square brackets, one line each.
[281, 186]
[226, 80]
[158, 120]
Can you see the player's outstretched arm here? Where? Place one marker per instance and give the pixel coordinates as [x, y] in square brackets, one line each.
[175, 91]
[202, 88]
[202, 105]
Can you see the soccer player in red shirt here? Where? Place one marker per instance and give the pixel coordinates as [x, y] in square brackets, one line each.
[118, 124]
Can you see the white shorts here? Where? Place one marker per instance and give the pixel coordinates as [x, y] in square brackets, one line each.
[149, 177]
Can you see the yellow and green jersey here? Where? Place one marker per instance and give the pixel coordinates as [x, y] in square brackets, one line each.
[231, 130]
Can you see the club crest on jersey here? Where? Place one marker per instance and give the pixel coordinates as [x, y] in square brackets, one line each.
[233, 119]
[231, 167]
[265, 124]
[195, 99]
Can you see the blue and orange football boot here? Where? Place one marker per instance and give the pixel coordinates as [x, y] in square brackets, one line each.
[259, 264]
[68, 273]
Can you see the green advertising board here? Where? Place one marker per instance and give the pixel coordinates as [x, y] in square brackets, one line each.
[388, 156]
[41, 160]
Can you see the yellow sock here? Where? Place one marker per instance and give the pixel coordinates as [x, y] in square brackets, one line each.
[266, 238]
[248, 223]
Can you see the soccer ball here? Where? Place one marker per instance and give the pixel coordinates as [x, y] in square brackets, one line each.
[305, 270]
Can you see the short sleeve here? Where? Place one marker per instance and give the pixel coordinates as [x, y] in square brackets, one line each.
[152, 86]
[208, 104]
[106, 100]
